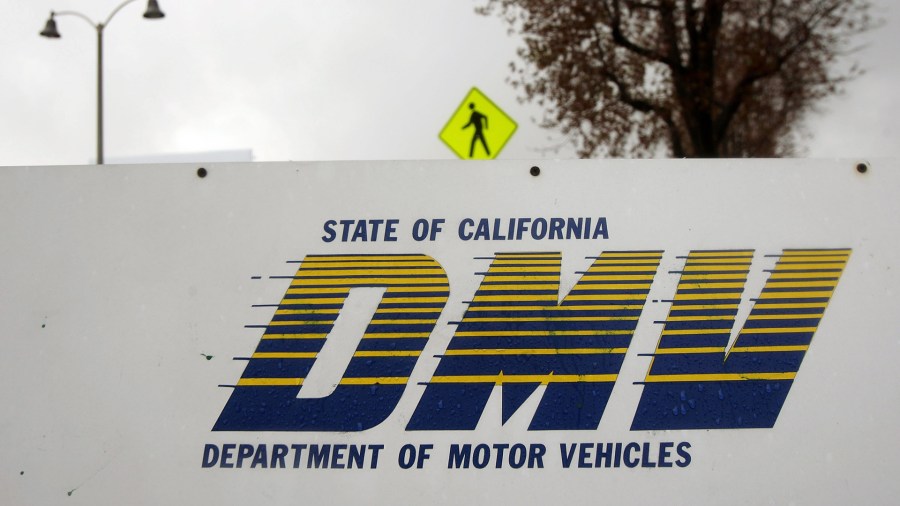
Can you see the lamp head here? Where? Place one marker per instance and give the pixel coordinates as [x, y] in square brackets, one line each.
[50, 28]
[153, 11]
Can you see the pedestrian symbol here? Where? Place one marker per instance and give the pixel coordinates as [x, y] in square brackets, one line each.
[478, 129]
[480, 122]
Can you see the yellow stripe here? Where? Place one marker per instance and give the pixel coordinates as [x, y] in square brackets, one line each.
[702, 307]
[551, 279]
[373, 354]
[440, 280]
[736, 253]
[795, 295]
[784, 316]
[718, 261]
[414, 300]
[587, 307]
[766, 349]
[395, 322]
[623, 277]
[298, 323]
[705, 277]
[698, 286]
[397, 335]
[803, 275]
[844, 251]
[823, 258]
[323, 290]
[385, 380]
[702, 268]
[800, 284]
[505, 261]
[504, 298]
[551, 319]
[409, 310]
[682, 332]
[796, 305]
[307, 311]
[779, 330]
[333, 300]
[538, 351]
[245, 382]
[341, 265]
[521, 288]
[500, 379]
[284, 355]
[404, 289]
[676, 378]
[636, 254]
[697, 318]
[781, 266]
[639, 260]
[736, 349]
[621, 296]
[538, 268]
[294, 336]
[365, 258]
[270, 382]
[503, 333]
[615, 268]
[612, 286]
[701, 296]
[303, 288]
[679, 351]
[355, 273]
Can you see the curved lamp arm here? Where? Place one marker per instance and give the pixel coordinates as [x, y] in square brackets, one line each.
[76, 14]
[116, 11]
[98, 26]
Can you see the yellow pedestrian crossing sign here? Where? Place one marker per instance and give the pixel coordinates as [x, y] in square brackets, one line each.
[478, 129]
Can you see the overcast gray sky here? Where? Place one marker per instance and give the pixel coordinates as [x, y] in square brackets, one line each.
[315, 80]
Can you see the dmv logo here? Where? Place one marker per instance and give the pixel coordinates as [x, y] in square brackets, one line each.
[516, 334]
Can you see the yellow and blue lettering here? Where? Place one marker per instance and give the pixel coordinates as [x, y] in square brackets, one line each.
[694, 381]
[517, 335]
[266, 396]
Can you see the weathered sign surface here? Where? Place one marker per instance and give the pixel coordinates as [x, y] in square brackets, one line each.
[450, 332]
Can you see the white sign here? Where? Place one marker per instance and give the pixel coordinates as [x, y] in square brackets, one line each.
[456, 333]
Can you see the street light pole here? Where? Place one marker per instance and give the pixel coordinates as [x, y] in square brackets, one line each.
[50, 31]
[99, 94]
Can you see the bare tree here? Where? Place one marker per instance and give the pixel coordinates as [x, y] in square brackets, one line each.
[695, 78]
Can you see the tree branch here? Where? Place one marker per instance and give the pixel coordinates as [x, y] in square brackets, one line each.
[619, 37]
[805, 29]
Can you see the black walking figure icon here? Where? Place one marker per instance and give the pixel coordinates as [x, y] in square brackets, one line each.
[479, 121]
